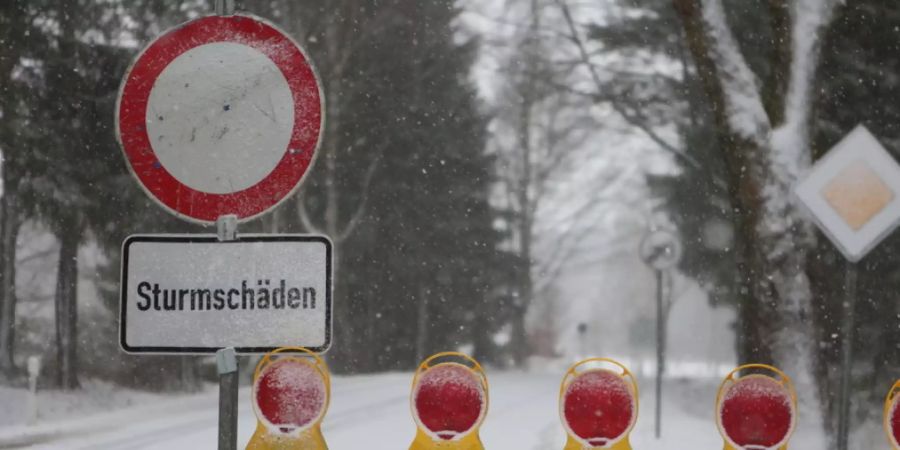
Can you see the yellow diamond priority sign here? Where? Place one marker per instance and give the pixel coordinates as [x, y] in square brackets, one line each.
[852, 193]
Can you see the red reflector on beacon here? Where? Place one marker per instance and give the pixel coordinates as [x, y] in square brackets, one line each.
[449, 400]
[598, 407]
[289, 395]
[756, 411]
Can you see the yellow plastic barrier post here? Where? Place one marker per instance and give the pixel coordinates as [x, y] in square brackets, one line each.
[306, 436]
[780, 379]
[892, 416]
[590, 367]
[427, 439]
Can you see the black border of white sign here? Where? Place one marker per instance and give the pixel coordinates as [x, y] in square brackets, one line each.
[252, 323]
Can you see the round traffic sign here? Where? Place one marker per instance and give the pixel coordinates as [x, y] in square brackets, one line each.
[220, 115]
[599, 407]
[449, 401]
[290, 395]
[661, 249]
[756, 411]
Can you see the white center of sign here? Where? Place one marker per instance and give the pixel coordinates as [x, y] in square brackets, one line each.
[220, 117]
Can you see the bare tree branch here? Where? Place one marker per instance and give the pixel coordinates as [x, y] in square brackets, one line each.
[303, 214]
[632, 117]
[361, 209]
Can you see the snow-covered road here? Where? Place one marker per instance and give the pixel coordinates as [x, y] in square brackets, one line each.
[375, 410]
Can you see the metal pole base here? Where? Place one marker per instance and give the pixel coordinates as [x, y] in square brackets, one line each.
[226, 362]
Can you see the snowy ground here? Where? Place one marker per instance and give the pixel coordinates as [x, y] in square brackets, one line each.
[523, 415]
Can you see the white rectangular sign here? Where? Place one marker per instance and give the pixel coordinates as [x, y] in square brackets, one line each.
[196, 294]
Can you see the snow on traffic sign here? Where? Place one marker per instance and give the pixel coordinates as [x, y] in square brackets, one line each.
[195, 294]
[598, 406]
[756, 412]
[853, 193]
[220, 115]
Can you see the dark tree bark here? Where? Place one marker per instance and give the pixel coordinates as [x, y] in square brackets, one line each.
[763, 132]
[9, 231]
[66, 303]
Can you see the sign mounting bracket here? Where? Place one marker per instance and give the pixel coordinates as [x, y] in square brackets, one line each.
[226, 227]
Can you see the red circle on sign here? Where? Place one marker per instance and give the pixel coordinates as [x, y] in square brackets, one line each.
[289, 395]
[894, 422]
[449, 401]
[757, 411]
[144, 163]
[598, 407]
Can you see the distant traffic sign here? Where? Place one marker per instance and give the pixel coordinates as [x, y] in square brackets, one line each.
[756, 411]
[195, 294]
[220, 115]
[853, 193]
[661, 249]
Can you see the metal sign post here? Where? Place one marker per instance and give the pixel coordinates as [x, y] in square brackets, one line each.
[848, 328]
[853, 195]
[661, 250]
[226, 363]
[219, 120]
[660, 353]
[224, 7]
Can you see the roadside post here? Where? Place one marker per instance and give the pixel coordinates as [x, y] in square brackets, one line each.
[756, 408]
[598, 405]
[34, 372]
[892, 416]
[853, 195]
[449, 401]
[226, 365]
[661, 250]
[582, 337]
[219, 120]
[290, 397]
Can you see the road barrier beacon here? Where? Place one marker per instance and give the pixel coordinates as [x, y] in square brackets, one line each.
[756, 411]
[598, 405]
[290, 396]
[892, 416]
[449, 402]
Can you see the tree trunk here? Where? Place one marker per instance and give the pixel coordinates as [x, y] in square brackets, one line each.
[187, 368]
[422, 322]
[483, 340]
[773, 240]
[66, 303]
[9, 231]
